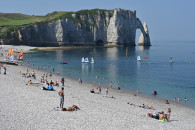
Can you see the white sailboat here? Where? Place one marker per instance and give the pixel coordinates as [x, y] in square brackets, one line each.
[86, 60]
[138, 58]
[171, 60]
[83, 60]
[92, 60]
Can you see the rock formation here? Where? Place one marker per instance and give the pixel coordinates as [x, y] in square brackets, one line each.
[144, 38]
[116, 26]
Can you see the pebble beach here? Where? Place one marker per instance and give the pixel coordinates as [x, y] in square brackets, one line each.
[29, 107]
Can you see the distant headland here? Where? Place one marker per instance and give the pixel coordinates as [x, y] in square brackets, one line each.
[96, 27]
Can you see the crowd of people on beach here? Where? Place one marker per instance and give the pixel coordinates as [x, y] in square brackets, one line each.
[50, 87]
[161, 115]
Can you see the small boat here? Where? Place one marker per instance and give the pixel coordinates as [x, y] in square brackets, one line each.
[92, 60]
[86, 60]
[138, 58]
[64, 63]
[83, 60]
[171, 60]
[9, 63]
[145, 58]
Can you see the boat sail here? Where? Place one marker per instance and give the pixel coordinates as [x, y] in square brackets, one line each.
[138, 58]
[83, 60]
[20, 56]
[86, 60]
[92, 60]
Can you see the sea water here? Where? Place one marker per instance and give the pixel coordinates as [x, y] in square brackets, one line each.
[120, 65]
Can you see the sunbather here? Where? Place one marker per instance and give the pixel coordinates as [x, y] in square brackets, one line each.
[71, 108]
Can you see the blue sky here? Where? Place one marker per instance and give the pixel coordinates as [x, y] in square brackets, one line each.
[168, 20]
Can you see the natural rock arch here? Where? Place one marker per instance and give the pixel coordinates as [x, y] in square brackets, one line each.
[144, 39]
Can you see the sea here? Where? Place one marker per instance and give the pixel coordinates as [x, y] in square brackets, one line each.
[119, 65]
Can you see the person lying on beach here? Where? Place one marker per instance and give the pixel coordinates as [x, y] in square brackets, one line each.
[30, 83]
[159, 116]
[162, 116]
[50, 88]
[109, 96]
[92, 91]
[130, 103]
[142, 106]
[71, 108]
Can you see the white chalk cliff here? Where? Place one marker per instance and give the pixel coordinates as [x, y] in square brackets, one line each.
[116, 26]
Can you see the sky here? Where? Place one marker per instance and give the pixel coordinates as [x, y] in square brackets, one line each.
[167, 20]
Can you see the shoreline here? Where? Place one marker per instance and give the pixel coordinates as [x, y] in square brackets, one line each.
[34, 108]
[74, 47]
[28, 49]
[127, 92]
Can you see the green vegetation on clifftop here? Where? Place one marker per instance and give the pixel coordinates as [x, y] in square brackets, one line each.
[10, 22]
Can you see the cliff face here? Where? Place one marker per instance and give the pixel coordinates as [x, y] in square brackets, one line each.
[106, 27]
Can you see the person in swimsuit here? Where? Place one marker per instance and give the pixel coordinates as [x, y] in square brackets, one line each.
[168, 114]
[72, 108]
[178, 99]
[61, 94]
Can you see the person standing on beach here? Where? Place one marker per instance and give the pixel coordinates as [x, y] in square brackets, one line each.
[62, 81]
[178, 99]
[119, 88]
[33, 74]
[80, 81]
[137, 91]
[61, 94]
[4, 70]
[99, 89]
[106, 91]
[168, 114]
[111, 84]
[155, 92]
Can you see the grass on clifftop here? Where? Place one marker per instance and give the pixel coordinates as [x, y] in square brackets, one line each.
[17, 19]
[10, 22]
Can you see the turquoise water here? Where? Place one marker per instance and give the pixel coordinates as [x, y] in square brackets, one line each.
[170, 80]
